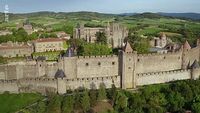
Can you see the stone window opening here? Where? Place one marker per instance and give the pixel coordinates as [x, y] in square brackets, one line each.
[87, 64]
[99, 63]
[138, 60]
[113, 63]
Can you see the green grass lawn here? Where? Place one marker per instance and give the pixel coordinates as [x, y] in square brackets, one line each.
[10, 103]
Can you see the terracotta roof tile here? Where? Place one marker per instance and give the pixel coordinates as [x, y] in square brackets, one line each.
[50, 40]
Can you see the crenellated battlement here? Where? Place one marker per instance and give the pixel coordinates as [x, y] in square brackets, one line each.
[8, 81]
[101, 56]
[159, 54]
[93, 79]
[38, 80]
[162, 73]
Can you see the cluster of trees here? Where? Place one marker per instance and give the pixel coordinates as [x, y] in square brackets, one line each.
[175, 97]
[79, 101]
[189, 32]
[19, 35]
[141, 45]
[48, 35]
[92, 49]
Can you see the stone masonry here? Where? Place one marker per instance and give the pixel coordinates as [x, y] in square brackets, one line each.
[126, 70]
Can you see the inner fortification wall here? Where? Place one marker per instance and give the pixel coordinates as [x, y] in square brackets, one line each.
[94, 66]
[51, 70]
[191, 55]
[162, 77]
[158, 62]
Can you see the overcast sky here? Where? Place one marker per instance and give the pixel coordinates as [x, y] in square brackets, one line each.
[104, 6]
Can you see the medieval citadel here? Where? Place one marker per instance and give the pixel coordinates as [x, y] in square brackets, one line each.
[126, 70]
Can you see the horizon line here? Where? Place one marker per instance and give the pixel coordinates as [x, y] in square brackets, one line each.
[94, 12]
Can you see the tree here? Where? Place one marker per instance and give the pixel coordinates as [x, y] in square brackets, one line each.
[77, 99]
[85, 101]
[102, 92]
[20, 35]
[113, 94]
[175, 102]
[196, 105]
[41, 107]
[54, 105]
[93, 97]
[90, 49]
[68, 104]
[121, 101]
[101, 37]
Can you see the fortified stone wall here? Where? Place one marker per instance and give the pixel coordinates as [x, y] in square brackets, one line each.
[3, 72]
[86, 67]
[191, 55]
[9, 85]
[42, 85]
[162, 77]
[92, 83]
[29, 71]
[158, 62]
[51, 70]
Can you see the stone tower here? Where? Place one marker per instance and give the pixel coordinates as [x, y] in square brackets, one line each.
[195, 70]
[185, 61]
[127, 66]
[41, 66]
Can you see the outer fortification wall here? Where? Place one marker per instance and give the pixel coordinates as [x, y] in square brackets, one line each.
[158, 62]
[9, 85]
[92, 83]
[162, 77]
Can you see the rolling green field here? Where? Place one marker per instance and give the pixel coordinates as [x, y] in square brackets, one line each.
[10, 103]
[144, 24]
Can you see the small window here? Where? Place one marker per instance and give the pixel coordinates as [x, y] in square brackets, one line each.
[87, 64]
[138, 60]
[113, 63]
[164, 57]
[99, 63]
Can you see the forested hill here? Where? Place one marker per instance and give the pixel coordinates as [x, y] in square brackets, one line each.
[95, 15]
[194, 16]
[60, 15]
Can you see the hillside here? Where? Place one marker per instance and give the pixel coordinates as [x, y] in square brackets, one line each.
[193, 16]
[149, 24]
